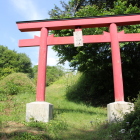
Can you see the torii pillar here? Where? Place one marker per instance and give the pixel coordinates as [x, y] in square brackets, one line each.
[116, 110]
[41, 110]
[116, 62]
[41, 82]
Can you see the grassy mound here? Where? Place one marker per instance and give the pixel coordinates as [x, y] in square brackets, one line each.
[16, 83]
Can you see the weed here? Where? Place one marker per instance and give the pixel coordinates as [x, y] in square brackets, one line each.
[39, 125]
[23, 136]
[3, 96]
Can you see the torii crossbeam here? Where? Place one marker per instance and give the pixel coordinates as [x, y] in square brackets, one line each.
[114, 37]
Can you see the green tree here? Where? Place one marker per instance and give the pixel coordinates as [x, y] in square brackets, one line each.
[53, 73]
[95, 59]
[11, 61]
[69, 9]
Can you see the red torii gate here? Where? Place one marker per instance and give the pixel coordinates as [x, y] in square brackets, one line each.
[90, 22]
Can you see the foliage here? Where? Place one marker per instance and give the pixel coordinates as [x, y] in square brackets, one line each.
[39, 125]
[131, 122]
[71, 120]
[94, 60]
[24, 136]
[82, 90]
[128, 129]
[53, 127]
[16, 83]
[52, 75]
[69, 9]
[3, 95]
[11, 61]
[111, 131]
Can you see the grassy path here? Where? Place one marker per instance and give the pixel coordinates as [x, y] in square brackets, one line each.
[81, 119]
[72, 121]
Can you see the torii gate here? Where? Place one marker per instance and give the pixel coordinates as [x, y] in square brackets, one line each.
[114, 37]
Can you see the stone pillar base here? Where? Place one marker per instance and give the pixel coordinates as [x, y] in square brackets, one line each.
[116, 110]
[39, 111]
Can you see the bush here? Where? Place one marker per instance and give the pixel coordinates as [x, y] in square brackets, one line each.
[128, 129]
[16, 83]
[131, 121]
[86, 90]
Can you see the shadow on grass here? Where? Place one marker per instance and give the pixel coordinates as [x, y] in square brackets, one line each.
[66, 135]
[78, 134]
[18, 131]
[30, 133]
[62, 110]
[23, 135]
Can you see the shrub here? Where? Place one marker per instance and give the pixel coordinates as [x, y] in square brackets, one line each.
[131, 122]
[85, 89]
[3, 96]
[16, 83]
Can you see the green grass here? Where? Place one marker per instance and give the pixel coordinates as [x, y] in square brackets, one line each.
[72, 121]
[79, 117]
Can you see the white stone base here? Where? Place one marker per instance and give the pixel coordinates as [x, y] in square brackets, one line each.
[116, 110]
[39, 111]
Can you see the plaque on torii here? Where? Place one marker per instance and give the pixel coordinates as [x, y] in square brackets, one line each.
[113, 36]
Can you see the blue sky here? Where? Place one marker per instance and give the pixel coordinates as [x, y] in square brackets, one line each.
[23, 10]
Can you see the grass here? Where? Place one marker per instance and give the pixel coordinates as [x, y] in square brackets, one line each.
[79, 117]
[72, 121]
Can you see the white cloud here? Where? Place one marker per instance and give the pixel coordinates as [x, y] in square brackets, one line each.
[51, 61]
[28, 9]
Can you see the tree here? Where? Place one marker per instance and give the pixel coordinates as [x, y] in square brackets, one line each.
[69, 9]
[53, 73]
[11, 61]
[95, 59]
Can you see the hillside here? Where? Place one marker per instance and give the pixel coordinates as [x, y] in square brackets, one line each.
[71, 120]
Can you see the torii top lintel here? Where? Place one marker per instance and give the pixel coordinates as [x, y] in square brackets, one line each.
[84, 22]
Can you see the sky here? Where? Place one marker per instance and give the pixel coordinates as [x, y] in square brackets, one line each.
[12, 11]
